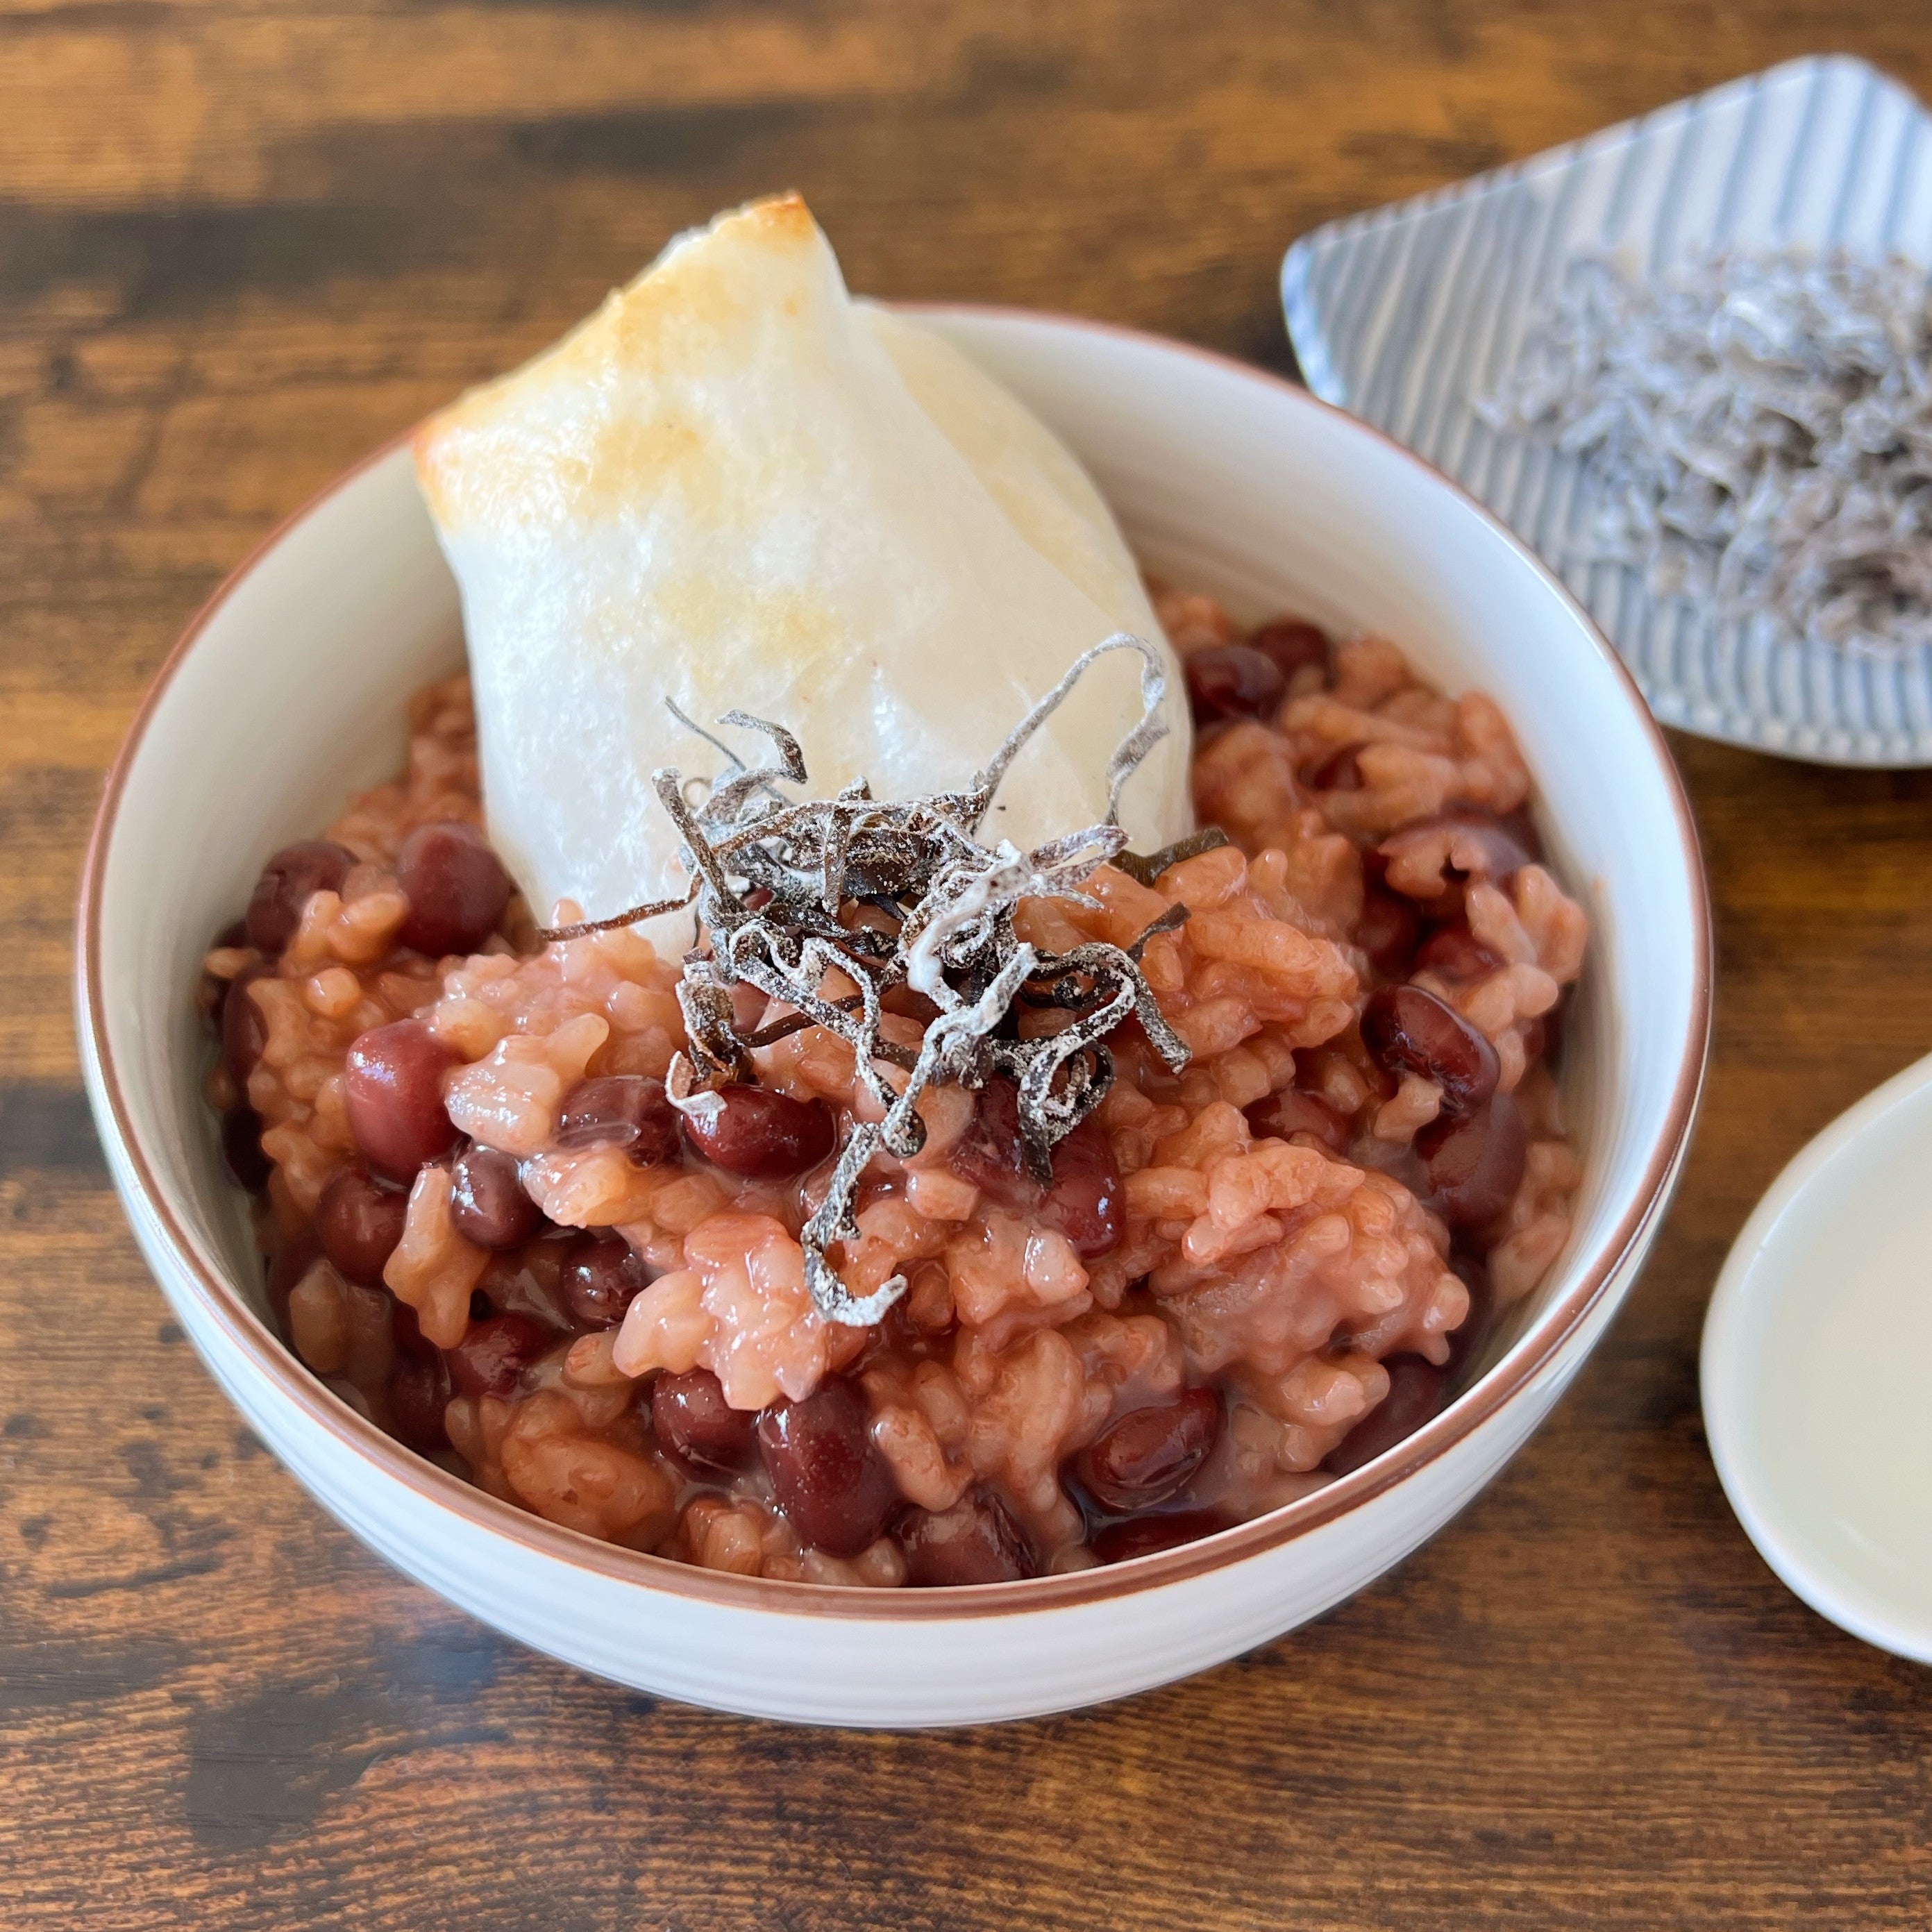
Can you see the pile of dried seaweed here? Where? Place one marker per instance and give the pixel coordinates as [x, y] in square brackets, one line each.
[775, 885]
[1760, 430]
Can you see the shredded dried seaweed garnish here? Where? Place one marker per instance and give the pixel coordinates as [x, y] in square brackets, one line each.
[1147, 867]
[902, 894]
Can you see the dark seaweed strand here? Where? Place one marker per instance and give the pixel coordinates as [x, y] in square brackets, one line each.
[583, 928]
[1146, 868]
[775, 883]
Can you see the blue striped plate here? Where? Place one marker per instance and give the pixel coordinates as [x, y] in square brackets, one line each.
[1403, 315]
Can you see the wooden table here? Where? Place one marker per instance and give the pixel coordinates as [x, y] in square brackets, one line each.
[240, 245]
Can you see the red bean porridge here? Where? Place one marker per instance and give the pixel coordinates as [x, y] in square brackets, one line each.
[486, 1227]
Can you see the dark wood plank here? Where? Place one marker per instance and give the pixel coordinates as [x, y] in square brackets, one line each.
[238, 246]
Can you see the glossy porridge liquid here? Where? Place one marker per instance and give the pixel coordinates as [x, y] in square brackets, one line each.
[485, 1228]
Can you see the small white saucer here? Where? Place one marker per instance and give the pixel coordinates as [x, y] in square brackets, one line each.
[1817, 1370]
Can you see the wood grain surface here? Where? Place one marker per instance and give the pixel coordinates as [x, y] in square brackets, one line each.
[240, 243]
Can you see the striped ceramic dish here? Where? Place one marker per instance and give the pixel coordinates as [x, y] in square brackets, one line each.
[1406, 314]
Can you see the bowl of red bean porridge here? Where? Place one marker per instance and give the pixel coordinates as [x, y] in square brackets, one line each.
[1124, 1425]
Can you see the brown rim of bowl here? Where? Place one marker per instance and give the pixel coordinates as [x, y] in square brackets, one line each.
[1523, 1363]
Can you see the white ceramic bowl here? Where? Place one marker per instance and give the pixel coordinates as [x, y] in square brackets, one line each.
[289, 689]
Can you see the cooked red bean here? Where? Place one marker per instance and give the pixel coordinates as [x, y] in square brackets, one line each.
[287, 882]
[834, 1486]
[975, 1541]
[487, 1200]
[297, 1255]
[359, 1222]
[242, 1147]
[1282, 1116]
[600, 1280]
[1148, 1535]
[1520, 827]
[1409, 1030]
[394, 1086]
[1293, 644]
[1233, 681]
[763, 1134]
[494, 1355]
[1455, 954]
[991, 1154]
[1150, 1454]
[1475, 1165]
[625, 1110]
[211, 994]
[1500, 845]
[420, 1386]
[1415, 1393]
[419, 1392]
[1086, 1202]
[1468, 1339]
[1386, 930]
[691, 1418]
[456, 886]
[1340, 771]
[243, 1031]
[1483, 846]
